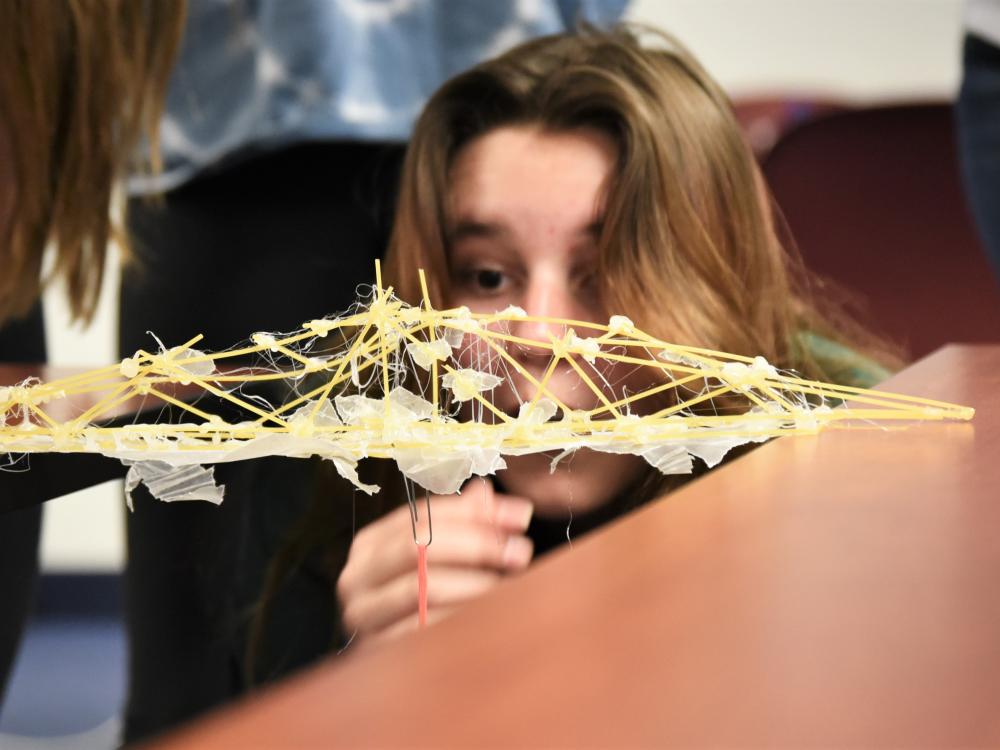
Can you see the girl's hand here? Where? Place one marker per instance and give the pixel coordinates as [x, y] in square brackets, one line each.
[478, 538]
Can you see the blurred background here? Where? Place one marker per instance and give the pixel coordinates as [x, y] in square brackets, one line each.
[783, 63]
[775, 57]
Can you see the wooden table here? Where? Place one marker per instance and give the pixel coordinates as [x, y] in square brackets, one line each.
[838, 590]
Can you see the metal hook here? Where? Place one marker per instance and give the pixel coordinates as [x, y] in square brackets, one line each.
[415, 517]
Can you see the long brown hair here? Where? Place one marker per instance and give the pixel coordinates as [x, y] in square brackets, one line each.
[688, 244]
[80, 82]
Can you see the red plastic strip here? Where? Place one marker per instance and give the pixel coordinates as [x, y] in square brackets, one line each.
[422, 584]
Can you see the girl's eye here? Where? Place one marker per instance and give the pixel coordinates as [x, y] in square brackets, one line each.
[588, 281]
[482, 280]
[488, 279]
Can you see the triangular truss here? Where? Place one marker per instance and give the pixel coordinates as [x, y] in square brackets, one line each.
[387, 380]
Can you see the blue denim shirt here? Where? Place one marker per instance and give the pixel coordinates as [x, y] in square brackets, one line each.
[266, 73]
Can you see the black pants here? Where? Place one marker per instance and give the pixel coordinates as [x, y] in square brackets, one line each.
[978, 120]
[262, 246]
[20, 341]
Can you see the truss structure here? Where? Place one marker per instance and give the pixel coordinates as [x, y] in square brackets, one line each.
[393, 381]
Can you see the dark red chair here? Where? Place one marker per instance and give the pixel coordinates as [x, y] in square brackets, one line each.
[765, 119]
[874, 202]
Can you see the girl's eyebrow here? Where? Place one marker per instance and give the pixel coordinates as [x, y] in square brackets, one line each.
[466, 228]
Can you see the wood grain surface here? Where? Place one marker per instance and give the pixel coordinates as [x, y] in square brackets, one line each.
[836, 590]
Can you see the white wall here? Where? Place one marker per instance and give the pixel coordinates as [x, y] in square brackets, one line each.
[860, 50]
[84, 530]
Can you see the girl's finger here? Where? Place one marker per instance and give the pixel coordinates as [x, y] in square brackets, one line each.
[373, 611]
[384, 549]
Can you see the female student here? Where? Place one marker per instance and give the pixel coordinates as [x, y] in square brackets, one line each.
[577, 176]
[80, 84]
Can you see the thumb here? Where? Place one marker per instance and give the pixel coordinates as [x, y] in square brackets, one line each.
[508, 512]
[479, 490]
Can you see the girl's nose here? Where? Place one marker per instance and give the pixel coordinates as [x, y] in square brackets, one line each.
[543, 298]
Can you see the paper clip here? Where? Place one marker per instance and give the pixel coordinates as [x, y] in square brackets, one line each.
[415, 518]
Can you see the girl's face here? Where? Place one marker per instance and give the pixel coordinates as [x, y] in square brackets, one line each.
[524, 215]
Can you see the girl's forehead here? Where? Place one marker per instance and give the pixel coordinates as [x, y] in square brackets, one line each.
[523, 170]
[530, 147]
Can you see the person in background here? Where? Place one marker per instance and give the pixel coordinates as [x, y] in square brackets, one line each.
[284, 130]
[80, 83]
[978, 120]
